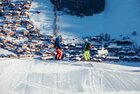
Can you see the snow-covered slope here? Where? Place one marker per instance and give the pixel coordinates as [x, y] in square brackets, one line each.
[37, 77]
[119, 17]
[43, 20]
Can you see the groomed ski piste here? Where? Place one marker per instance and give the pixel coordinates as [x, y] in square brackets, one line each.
[20, 76]
[32, 76]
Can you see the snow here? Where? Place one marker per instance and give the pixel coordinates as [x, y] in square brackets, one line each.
[32, 76]
[114, 46]
[20, 76]
[44, 20]
[119, 18]
[102, 52]
[113, 57]
[6, 52]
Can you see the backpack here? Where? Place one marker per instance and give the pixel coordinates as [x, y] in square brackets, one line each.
[87, 46]
[57, 43]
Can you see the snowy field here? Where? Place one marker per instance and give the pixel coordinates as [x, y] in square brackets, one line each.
[18, 76]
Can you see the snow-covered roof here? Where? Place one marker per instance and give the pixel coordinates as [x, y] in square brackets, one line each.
[6, 52]
[113, 57]
[113, 45]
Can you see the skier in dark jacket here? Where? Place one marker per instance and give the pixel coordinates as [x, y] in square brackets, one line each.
[58, 48]
[87, 48]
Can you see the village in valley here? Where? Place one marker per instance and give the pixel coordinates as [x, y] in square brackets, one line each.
[20, 37]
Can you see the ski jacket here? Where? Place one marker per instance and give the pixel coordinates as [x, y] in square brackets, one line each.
[57, 42]
[87, 46]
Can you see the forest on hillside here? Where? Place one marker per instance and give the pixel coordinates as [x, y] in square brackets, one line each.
[80, 7]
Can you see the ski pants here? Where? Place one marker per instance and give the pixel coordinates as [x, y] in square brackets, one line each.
[58, 54]
[86, 55]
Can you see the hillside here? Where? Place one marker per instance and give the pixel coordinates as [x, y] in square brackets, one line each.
[119, 18]
[23, 72]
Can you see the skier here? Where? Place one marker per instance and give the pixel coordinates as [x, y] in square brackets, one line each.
[58, 48]
[86, 50]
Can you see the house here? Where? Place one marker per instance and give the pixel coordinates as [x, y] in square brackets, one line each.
[122, 53]
[24, 14]
[126, 58]
[96, 59]
[47, 55]
[135, 58]
[20, 37]
[1, 45]
[12, 5]
[96, 44]
[78, 47]
[20, 49]
[12, 55]
[17, 22]
[131, 53]
[126, 42]
[17, 12]
[112, 58]
[8, 16]
[113, 48]
[2, 35]
[25, 32]
[1, 12]
[76, 58]
[11, 33]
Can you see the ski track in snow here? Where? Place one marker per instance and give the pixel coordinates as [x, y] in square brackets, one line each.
[37, 77]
